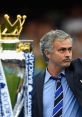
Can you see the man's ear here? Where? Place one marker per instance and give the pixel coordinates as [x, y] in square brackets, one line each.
[47, 53]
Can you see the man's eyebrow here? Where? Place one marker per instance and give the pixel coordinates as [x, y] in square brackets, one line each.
[64, 48]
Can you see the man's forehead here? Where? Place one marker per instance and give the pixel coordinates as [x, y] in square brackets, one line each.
[66, 43]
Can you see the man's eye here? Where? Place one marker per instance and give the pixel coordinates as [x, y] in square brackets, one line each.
[62, 50]
[70, 49]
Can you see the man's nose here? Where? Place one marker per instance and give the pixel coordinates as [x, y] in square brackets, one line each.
[67, 53]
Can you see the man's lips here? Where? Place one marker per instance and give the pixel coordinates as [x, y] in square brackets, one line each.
[67, 60]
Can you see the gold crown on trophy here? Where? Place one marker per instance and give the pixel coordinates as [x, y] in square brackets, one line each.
[12, 30]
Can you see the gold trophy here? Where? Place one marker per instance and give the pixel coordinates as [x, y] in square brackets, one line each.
[12, 31]
[11, 52]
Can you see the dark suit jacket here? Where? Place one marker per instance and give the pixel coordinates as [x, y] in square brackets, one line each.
[74, 79]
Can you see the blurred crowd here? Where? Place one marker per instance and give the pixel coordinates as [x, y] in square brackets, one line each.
[72, 23]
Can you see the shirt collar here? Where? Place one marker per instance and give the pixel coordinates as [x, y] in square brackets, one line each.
[61, 74]
[48, 75]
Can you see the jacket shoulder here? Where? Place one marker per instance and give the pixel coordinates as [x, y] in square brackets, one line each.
[77, 64]
[77, 61]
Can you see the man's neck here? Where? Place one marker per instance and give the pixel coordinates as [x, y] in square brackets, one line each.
[54, 71]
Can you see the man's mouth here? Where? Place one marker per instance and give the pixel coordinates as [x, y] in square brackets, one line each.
[67, 60]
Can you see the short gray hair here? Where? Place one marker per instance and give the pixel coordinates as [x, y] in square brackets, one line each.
[47, 40]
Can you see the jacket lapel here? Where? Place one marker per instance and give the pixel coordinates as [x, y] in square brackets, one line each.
[70, 77]
[40, 92]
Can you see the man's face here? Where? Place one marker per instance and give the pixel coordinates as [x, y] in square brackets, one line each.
[61, 53]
